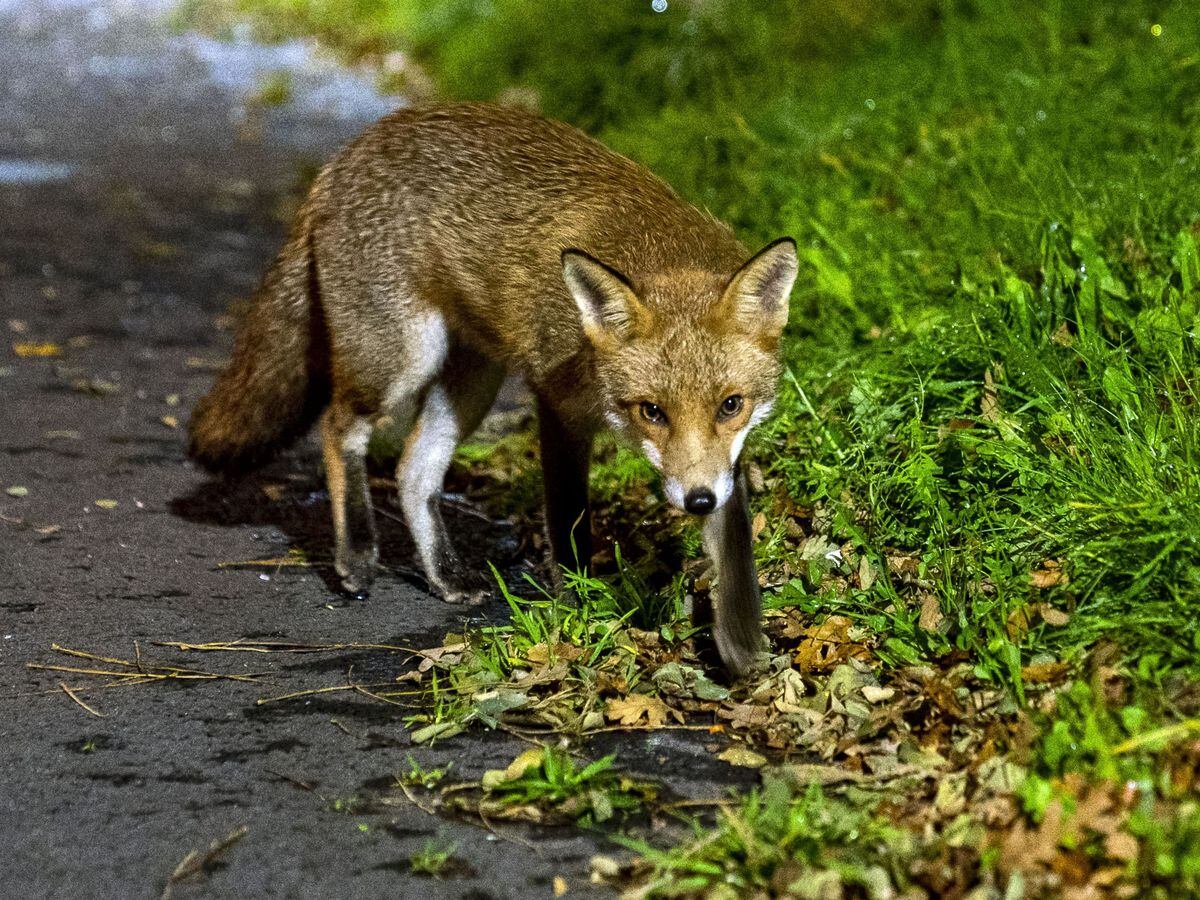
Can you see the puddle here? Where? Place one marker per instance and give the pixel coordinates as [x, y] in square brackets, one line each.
[34, 171]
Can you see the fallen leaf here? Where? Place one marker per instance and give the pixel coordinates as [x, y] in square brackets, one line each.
[170, 421]
[989, 403]
[875, 694]
[754, 475]
[931, 612]
[1049, 575]
[17, 490]
[530, 759]
[1121, 845]
[1044, 673]
[107, 504]
[96, 386]
[43, 349]
[828, 645]
[757, 526]
[560, 885]
[632, 709]
[743, 756]
[435, 731]
[1055, 618]
[210, 365]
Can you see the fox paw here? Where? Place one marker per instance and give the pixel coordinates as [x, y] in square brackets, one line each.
[357, 571]
[468, 592]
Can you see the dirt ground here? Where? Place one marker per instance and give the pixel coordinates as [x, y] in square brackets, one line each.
[140, 193]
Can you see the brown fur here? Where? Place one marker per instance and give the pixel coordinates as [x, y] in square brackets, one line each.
[429, 259]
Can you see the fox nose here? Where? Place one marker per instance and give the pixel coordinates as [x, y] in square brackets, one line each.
[700, 501]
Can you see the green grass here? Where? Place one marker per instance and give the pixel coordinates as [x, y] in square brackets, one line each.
[992, 358]
[435, 858]
[547, 781]
[981, 190]
[775, 843]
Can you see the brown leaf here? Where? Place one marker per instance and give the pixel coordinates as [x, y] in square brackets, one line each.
[1044, 673]
[757, 526]
[1049, 575]
[828, 645]
[754, 475]
[273, 492]
[1121, 845]
[989, 403]
[1056, 618]
[931, 612]
[633, 709]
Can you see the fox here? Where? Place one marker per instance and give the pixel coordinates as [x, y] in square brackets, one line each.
[450, 245]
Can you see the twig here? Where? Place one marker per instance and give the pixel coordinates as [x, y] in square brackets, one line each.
[168, 675]
[332, 689]
[70, 693]
[246, 646]
[196, 863]
[294, 782]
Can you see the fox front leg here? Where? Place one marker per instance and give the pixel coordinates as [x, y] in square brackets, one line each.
[737, 611]
[566, 457]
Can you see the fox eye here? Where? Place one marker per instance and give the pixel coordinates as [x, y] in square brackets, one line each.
[652, 412]
[731, 406]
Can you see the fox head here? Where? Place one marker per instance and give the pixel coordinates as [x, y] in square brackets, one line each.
[687, 362]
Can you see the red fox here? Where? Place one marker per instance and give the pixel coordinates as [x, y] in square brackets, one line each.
[449, 245]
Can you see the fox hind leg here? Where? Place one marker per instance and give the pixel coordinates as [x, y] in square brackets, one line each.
[344, 446]
[454, 405]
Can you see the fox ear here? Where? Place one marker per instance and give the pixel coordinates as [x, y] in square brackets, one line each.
[608, 307]
[757, 295]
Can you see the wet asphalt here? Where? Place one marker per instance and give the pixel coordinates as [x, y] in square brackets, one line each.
[142, 191]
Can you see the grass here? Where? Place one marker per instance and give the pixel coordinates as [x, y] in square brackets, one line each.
[434, 859]
[986, 444]
[547, 783]
[775, 843]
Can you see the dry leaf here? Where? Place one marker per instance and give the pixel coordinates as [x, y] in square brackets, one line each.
[107, 504]
[757, 526]
[170, 421]
[931, 612]
[1049, 575]
[632, 709]
[828, 645]
[34, 350]
[1121, 845]
[754, 475]
[989, 403]
[1055, 618]
[560, 885]
[743, 756]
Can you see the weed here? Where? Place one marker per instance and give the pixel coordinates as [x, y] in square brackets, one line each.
[774, 840]
[547, 782]
[434, 858]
